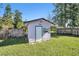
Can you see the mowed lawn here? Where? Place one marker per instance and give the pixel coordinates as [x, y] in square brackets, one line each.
[56, 46]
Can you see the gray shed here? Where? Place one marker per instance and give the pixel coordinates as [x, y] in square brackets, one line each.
[38, 30]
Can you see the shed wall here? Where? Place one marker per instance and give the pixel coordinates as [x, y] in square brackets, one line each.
[31, 30]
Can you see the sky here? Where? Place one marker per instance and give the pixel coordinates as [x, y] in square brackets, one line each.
[31, 11]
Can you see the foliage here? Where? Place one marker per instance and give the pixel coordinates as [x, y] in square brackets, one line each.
[65, 12]
[0, 23]
[25, 29]
[7, 17]
[12, 41]
[53, 29]
[18, 19]
[20, 24]
[11, 20]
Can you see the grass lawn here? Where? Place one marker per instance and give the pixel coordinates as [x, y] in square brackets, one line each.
[58, 46]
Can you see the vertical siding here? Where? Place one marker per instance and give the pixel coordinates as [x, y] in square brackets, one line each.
[31, 30]
[31, 33]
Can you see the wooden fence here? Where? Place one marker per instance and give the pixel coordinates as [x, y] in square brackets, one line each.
[68, 31]
[11, 33]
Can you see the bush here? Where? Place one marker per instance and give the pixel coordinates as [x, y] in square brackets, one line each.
[53, 29]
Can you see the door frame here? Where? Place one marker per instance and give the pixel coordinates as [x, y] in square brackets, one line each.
[35, 31]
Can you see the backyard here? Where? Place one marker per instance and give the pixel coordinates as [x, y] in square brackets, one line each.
[56, 46]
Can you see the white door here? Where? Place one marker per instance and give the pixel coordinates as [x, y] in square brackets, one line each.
[38, 33]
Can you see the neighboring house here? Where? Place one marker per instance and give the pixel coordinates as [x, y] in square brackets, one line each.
[38, 30]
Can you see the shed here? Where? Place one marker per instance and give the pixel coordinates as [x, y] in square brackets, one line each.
[38, 30]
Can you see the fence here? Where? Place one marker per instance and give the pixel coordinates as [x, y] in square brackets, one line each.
[68, 31]
[11, 33]
[16, 33]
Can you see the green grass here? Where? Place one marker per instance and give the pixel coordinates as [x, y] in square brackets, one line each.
[58, 46]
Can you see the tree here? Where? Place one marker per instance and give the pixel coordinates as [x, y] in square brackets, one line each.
[74, 14]
[18, 23]
[0, 23]
[59, 14]
[0, 17]
[65, 12]
[7, 17]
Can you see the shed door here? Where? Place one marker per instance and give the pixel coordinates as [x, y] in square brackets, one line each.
[38, 33]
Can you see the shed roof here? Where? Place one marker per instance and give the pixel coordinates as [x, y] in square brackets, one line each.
[39, 19]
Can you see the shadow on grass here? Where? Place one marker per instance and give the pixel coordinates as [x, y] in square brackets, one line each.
[13, 41]
[55, 35]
